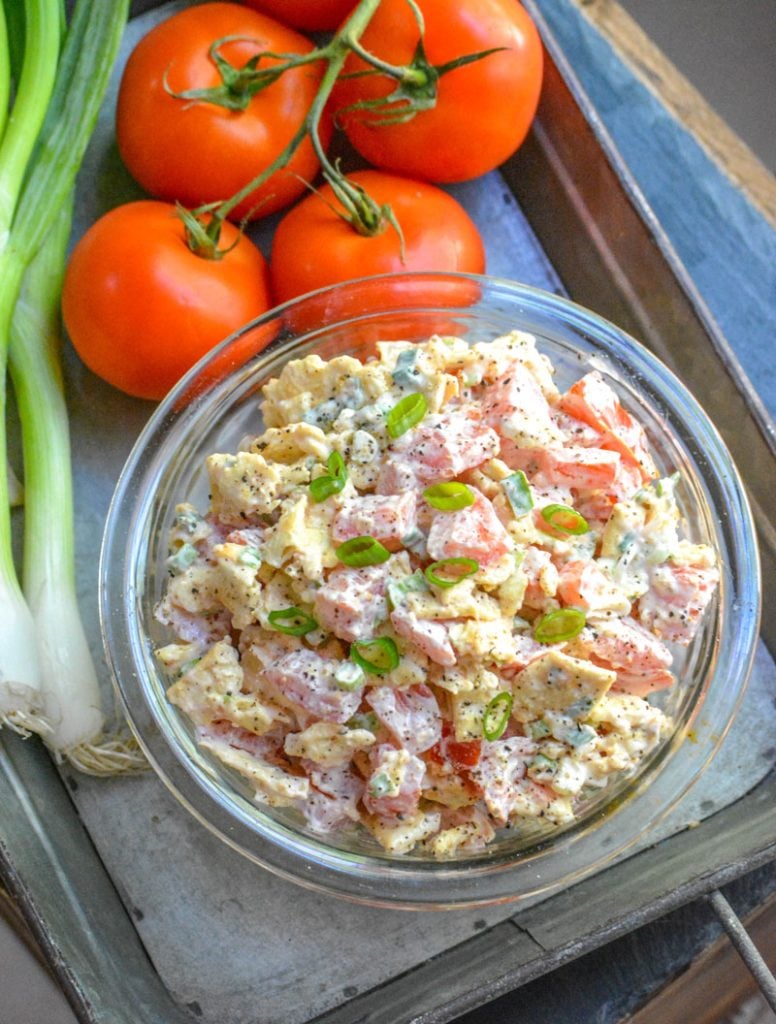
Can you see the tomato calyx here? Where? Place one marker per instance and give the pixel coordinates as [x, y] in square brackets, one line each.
[417, 89]
[239, 85]
[361, 211]
[201, 238]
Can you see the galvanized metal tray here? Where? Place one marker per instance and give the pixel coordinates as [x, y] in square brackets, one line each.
[145, 917]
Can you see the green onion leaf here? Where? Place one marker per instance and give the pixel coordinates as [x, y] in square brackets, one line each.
[407, 413]
[378, 656]
[450, 571]
[250, 557]
[565, 519]
[496, 717]
[449, 497]
[364, 720]
[349, 676]
[518, 491]
[539, 729]
[188, 520]
[381, 785]
[181, 560]
[292, 621]
[397, 590]
[359, 551]
[562, 624]
[333, 482]
[581, 735]
[405, 373]
[543, 768]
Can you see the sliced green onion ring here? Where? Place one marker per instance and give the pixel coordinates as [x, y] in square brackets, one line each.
[518, 492]
[292, 621]
[562, 624]
[496, 717]
[449, 497]
[565, 519]
[407, 413]
[450, 571]
[360, 551]
[333, 482]
[378, 656]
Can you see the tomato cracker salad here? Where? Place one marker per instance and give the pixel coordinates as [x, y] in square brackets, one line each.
[433, 598]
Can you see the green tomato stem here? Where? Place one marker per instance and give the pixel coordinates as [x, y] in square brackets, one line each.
[335, 53]
[402, 73]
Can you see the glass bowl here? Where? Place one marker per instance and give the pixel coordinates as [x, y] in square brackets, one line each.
[216, 405]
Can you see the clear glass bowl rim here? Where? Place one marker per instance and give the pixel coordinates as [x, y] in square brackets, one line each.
[434, 884]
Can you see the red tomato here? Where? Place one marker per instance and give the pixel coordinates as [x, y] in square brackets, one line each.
[461, 754]
[195, 151]
[483, 109]
[141, 308]
[309, 15]
[313, 246]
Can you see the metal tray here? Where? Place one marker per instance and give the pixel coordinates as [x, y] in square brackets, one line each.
[135, 905]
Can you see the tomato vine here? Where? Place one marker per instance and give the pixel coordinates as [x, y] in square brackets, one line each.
[416, 91]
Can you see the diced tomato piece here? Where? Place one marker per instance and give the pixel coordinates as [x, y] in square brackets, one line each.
[431, 637]
[473, 532]
[464, 753]
[333, 799]
[441, 448]
[394, 786]
[501, 767]
[386, 517]
[676, 600]
[351, 603]
[459, 754]
[577, 468]
[306, 679]
[413, 715]
[577, 432]
[639, 658]
[585, 585]
[591, 400]
[515, 407]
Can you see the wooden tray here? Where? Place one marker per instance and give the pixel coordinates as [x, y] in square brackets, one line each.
[135, 905]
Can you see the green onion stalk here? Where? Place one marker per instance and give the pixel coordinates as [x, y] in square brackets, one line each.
[48, 684]
[20, 694]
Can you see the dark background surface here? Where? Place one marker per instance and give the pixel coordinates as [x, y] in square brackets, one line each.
[725, 48]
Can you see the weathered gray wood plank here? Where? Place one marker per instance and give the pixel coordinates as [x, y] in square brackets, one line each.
[51, 867]
[441, 987]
